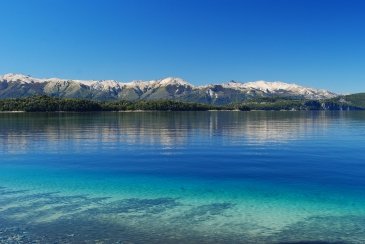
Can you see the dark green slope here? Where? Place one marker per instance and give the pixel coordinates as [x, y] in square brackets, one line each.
[357, 99]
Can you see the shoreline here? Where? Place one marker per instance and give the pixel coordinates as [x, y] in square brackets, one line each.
[51, 104]
[3, 112]
[144, 111]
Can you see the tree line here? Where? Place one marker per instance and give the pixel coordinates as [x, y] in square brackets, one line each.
[53, 104]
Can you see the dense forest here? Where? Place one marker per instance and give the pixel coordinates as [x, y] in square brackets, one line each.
[52, 104]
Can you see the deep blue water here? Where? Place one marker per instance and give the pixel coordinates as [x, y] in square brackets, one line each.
[160, 177]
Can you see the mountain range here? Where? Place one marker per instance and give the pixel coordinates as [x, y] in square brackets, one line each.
[19, 85]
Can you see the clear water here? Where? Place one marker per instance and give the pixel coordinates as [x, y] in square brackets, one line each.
[182, 177]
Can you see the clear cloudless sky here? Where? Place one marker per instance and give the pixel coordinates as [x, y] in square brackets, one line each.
[316, 43]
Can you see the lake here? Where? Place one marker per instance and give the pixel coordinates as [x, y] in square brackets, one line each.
[182, 177]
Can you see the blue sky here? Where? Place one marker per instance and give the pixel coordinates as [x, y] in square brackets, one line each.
[319, 43]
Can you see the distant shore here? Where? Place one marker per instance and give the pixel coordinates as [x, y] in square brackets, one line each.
[4, 112]
[129, 111]
[53, 104]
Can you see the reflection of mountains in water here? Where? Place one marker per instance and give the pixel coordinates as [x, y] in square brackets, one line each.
[20, 131]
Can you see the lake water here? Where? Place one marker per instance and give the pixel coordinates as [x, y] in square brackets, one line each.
[182, 177]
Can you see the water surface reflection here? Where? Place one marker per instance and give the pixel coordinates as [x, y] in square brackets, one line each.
[25, 131]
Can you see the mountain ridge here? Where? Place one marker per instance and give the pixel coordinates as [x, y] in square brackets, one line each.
[18, 85]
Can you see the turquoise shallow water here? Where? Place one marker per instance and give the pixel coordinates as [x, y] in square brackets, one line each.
[250, 177]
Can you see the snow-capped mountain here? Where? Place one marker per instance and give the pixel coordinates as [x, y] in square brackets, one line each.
[279, 88]
[18, 85]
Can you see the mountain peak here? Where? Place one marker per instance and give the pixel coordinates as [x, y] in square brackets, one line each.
[15, 76]
[270, 85]
[18, 77]
[174, 81]
[279, 87]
